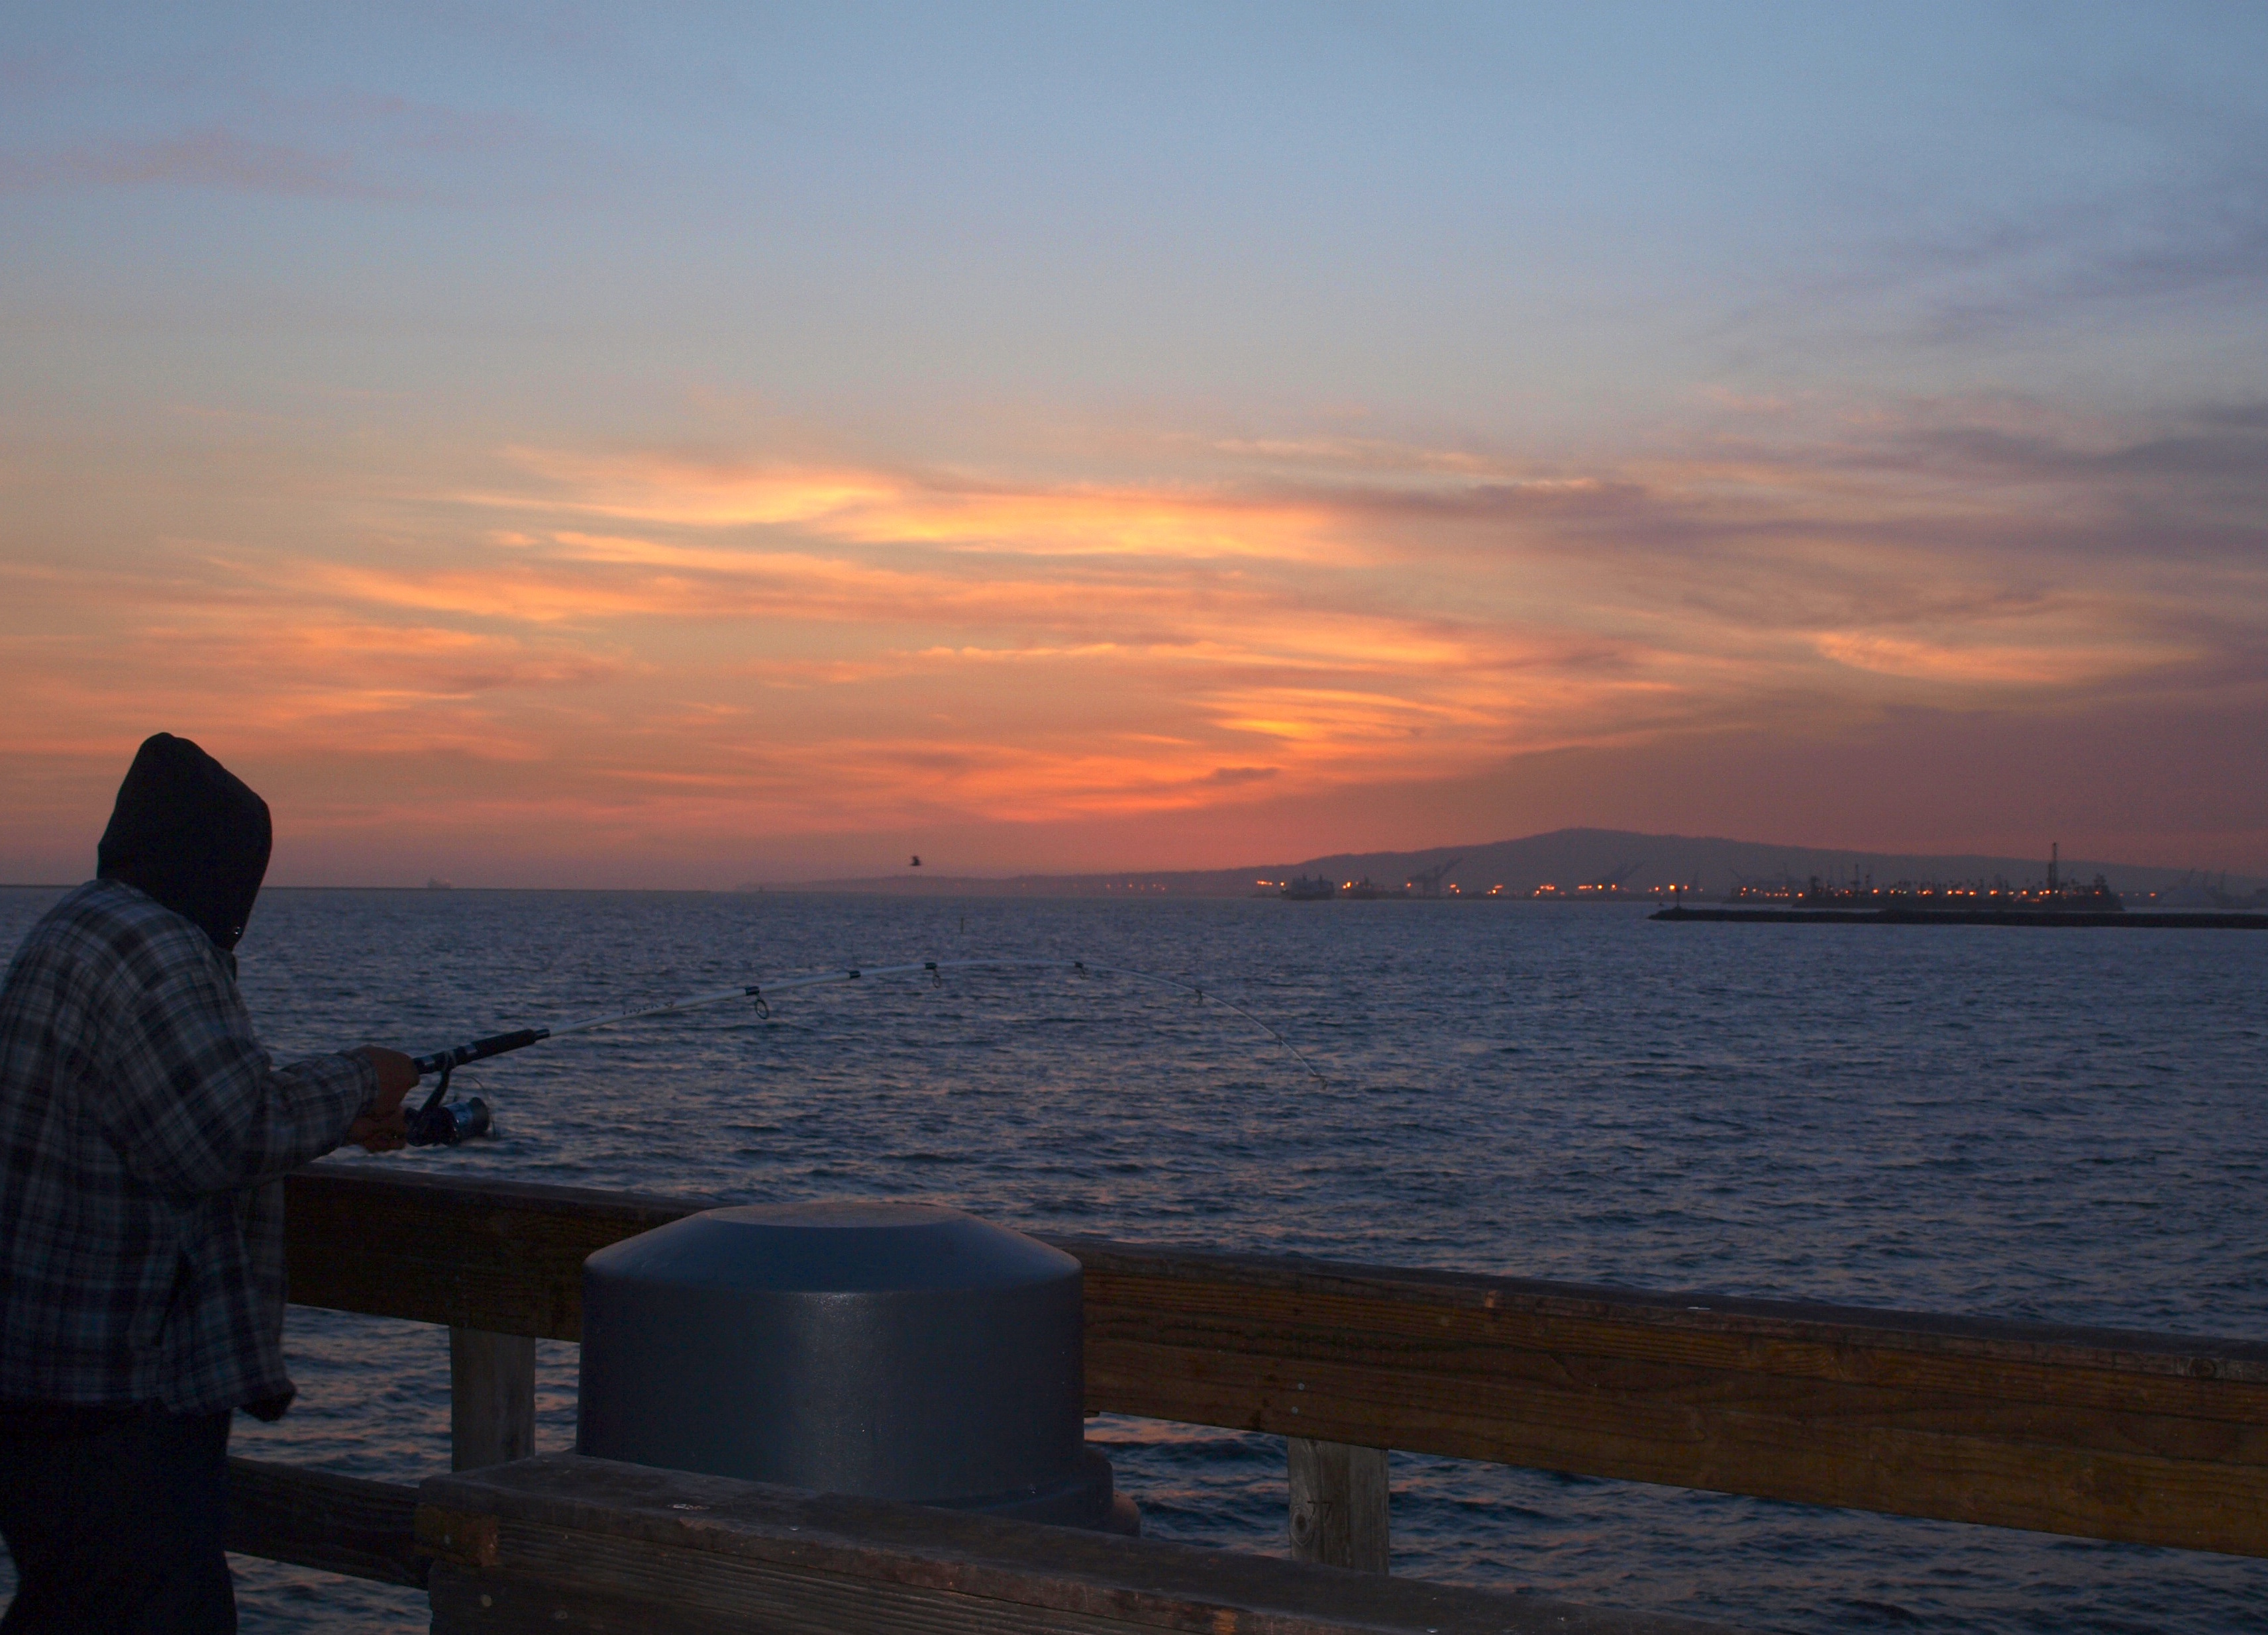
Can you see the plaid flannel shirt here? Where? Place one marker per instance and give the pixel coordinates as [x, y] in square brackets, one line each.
[143, 1139]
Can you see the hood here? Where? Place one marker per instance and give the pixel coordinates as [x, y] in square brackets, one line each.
[187, 831]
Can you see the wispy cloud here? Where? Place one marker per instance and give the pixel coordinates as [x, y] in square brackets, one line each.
[2168, 229]
[215, 157]
[872, 506]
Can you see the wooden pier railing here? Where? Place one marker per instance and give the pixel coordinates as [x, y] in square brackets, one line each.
[2099, 1433]
[559, 1545]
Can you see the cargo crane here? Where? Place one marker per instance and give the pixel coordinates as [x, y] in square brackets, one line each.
[1427, 883]
[1610, 883]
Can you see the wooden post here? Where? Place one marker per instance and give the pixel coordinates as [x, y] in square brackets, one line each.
[1338, 1504]
[491, 1399]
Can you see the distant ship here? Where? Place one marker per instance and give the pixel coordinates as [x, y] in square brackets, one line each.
[434, 883]
[1309, 889]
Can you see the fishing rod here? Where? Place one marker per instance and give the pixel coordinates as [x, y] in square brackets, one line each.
[438, 1123]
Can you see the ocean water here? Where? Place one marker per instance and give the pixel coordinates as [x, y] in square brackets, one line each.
[2064, 1125]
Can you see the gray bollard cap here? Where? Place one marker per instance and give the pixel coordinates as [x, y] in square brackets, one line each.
[890, 1350]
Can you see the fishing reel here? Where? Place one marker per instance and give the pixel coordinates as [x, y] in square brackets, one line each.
[436, 1124]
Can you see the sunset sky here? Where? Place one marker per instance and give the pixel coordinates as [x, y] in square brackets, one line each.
[589, 445]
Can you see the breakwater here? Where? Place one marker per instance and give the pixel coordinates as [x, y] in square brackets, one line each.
[2135, 919]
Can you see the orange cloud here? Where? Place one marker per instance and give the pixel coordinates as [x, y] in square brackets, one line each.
[881, 507]
[731, 647]
[1981, 664]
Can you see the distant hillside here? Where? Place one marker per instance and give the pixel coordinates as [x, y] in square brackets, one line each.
[1565, 857]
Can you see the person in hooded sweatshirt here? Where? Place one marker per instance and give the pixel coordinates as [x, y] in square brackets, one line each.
[143, 1140]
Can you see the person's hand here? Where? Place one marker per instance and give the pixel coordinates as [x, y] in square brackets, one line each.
[381, 1127]
[397, 1076]
[374, 1135]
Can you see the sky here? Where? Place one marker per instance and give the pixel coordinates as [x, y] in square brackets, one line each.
[685, 445]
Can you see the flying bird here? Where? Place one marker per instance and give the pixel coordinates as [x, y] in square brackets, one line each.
[917, 862]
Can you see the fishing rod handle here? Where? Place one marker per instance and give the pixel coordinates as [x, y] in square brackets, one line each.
[479, 1050]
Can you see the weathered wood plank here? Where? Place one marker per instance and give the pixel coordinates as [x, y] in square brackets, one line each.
[2011, 1429]
[501, 1255]
[314, 1519]
[494, 1249]
[591, 1545]
[1788, 1337]
[2102, 1433]
[1339, 1504]
[661, 1593]
[491, 1399]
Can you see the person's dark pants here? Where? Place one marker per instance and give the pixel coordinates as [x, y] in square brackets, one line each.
[115, 1521]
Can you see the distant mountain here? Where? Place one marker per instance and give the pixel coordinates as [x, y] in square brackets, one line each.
[1565, 858]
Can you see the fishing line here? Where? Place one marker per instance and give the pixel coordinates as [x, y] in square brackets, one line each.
[436, 1125]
